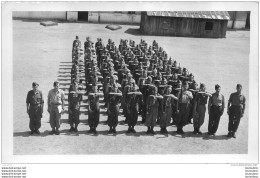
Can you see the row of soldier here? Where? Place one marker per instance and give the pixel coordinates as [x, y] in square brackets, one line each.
[152, 85]
[142, 98]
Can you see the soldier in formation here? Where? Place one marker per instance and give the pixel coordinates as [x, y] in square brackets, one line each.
[143, 80]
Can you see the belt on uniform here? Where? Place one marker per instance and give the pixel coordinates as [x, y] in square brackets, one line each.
[236, 105]
[35, 104]
[184, 103]
[202, 104]
[55, 103]
[217, 106]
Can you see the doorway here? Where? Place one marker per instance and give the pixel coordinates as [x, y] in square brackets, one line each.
[248, 21]
[82, 16]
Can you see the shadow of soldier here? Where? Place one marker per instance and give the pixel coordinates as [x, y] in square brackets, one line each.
[28, 134]
[191, 134]
[217, 137]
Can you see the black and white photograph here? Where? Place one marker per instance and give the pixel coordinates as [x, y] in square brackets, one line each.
[174, 80]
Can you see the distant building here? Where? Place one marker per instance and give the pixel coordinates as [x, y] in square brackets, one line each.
[238, 19]
[120, 17]
[209, 24]
[41, 15]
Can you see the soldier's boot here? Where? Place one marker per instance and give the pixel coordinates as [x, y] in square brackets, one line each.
[229, 134]
[91, 130]
[57, 132]
[181, 131]
[165, 130]
[37, 131]
[52, 132]
[133, 130]
[162, 130]
[71, 129]
[32, 131]
[148, 130]
[233, 134]
[94, 130]
[110, 130]
[178, 130]
[114, 130]
[152, 131]
[76, 128]
[129, 130]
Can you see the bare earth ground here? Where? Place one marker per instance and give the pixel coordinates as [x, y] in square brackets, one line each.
[43, 54]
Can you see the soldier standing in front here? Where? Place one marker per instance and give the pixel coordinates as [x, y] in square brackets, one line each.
[55, 106]
[74, 101]
[34, 106]
[199, 110]
[236, 109]
[93, 109]
[184, 108]
[216, 108]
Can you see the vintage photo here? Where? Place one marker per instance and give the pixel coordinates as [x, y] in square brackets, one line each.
[120, 82]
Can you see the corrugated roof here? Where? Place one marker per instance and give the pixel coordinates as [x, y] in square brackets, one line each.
[220, 15]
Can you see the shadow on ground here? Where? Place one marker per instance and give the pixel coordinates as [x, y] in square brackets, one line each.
[133, 31]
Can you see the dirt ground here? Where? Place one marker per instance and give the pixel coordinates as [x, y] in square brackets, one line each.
[43, 54]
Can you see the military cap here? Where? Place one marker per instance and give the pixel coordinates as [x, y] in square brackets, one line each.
[239, 86]
[202, 85]
[185, 83]
[217, 86]
[35, 84]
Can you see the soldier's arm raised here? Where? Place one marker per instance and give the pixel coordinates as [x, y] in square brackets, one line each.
[174, 97]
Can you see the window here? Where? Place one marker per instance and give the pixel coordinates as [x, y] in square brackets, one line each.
[209, 26]
[131, 12]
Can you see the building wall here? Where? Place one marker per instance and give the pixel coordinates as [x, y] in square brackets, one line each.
[240, 21]
[170, 26]
[46, 15]
[72, 16]
[237, 19]
[114, 17]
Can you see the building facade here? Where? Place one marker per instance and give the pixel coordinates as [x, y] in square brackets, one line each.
[201, 24]
[238, 19]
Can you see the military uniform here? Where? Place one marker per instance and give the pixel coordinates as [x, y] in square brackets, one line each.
[113, 110]
[167, 102]
[133, 108]
[55, 105]
[35, 102]
[74, 100]
[236, 111]
[184, 110]
[216, 109]
[152, 110]
[199, 111]
[94, 110]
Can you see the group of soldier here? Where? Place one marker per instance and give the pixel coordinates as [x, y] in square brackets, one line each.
[143, 80]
